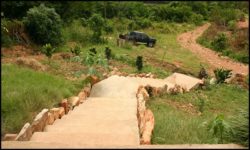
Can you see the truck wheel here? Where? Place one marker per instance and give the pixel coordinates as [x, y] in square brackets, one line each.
[150, 44]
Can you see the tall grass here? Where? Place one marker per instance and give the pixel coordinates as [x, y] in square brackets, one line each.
[26, 92]
[173, 125]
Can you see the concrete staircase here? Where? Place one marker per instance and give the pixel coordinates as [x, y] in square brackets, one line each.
[107, 119]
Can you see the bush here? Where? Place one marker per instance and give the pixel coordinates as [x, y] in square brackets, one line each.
[76, 50]
[143, 23]
[96, 24]
[43, 25]
[139, 63]
[221, 75]
[197, 19]
[5, 38]
[220, 42]
[203, 73]
[108, 53]
[232, 25]
[108, 28]
[48, 50]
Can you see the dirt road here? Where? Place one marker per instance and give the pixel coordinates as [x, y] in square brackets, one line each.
[188, 40]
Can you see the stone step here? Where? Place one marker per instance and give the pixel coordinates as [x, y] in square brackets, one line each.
[108, 115]
[56, 145]
[98, 126]
[47, 145]
[87, 139]
[109, 102]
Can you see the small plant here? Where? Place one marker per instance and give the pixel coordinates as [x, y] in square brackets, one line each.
[203, 73]
[201, 104]
[218, 126]
[221, 75]
[76, 50]
[92, 51]
[48, 50]
[108, 53]
[139, 63]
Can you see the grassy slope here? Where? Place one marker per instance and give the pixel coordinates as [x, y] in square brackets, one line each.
[26, 92]
[164, 32]
[175, 126]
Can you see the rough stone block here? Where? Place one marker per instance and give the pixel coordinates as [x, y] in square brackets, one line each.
[82, 96]
[61, 112]
[51, 119]
[148, 127]
[74, 101]
[25, 133]
[65, 105]
[55, 112]
[40, 121]
[9, 137]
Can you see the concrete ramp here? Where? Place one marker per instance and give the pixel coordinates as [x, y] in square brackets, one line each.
[186, 82]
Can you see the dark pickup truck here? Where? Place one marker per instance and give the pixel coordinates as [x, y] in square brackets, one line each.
[136, 36]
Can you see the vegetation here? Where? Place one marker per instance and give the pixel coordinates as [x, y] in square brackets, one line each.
[48, 50]
[43, 25]
[221, 75]
[178, 122]
[86, 29]
[139, 63]
[26, 92]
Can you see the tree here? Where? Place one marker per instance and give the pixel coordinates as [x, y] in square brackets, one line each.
[43, 25]
[96, 24]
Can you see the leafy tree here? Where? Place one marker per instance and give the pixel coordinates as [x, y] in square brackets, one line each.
[96, 24]
[43, 25]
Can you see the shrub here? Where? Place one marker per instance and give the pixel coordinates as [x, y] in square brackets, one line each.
[197, 19]
[219, 126]
[108, 53]
[48, 50]
[5, 38]
[221, 75]
[76, 50]
[43, 25]
[92, 51]
[139, 63]
[108, 28]
[96, 24]
[220, 42]
[143, 23]
[203, 73]
[232, 25]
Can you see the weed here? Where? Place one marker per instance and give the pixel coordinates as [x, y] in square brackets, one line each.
[108, 53]
[218, 126]
[139, 63]
[76, 50]
[222, 74]
[48, 50]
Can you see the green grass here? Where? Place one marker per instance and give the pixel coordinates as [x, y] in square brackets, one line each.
[176, 126]
[167, 46]
[26, 92]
